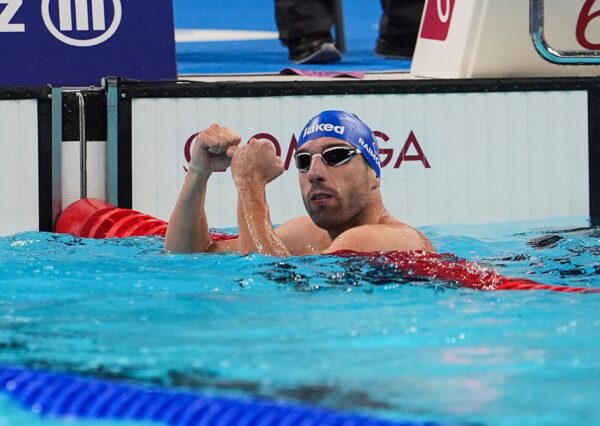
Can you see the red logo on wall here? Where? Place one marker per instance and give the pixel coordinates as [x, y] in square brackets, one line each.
[436, 22]
[388, 155]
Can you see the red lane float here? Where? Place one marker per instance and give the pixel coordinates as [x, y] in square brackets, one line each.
[92, 218]
[448, 267]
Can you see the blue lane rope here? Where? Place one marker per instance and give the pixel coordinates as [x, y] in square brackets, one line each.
[63, 395]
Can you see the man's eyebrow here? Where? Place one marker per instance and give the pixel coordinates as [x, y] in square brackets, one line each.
[333, 144]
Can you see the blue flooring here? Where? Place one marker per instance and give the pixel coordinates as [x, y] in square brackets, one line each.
[270, 56]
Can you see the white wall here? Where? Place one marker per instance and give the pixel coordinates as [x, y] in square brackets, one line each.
[19, 205]
[494, 157]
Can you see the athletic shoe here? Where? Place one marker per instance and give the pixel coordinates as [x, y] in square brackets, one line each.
[317, 48]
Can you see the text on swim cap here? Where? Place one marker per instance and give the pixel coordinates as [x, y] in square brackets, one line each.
[324, 127]
[369, 150]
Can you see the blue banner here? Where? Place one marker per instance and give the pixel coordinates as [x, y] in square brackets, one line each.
[77, 42]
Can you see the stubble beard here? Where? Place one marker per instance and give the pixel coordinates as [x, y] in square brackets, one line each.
[342, 214]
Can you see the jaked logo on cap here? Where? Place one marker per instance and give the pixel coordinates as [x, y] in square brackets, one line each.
[323, 127]
[347, 127]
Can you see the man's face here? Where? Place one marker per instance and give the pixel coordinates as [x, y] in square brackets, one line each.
[335, 197]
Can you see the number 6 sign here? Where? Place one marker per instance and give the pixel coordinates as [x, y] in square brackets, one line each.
[585, 17]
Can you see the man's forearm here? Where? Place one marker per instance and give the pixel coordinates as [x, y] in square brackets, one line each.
[256, 232]
[188, 227]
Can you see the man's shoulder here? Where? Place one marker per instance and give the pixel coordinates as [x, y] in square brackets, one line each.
[391, 236]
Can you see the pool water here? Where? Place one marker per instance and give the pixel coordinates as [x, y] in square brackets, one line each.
[324, 331]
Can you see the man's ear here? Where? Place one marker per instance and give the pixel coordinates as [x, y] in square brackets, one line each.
[375, 181]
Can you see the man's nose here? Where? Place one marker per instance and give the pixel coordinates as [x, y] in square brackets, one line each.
[316, 171]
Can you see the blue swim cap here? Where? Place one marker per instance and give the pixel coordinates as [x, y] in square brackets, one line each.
[347, 127]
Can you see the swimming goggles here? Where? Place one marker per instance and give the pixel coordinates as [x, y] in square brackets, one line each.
[334, 156]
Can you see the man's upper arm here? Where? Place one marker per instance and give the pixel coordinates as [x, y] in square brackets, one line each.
[299, 236]
[284, 232]
[302, 236]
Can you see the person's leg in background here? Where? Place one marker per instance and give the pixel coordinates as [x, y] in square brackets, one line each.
[399, 28]
[305, 28]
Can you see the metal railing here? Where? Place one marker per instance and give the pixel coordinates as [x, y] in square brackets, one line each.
[555, 56]
[82, 147]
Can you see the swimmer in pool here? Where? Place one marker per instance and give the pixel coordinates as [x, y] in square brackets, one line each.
[338, 160]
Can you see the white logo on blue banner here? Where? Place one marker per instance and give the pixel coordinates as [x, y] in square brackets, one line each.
[82, 21]
[78, 42]
[6, 16]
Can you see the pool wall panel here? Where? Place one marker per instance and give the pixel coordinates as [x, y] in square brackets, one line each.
[594, 154]
[19, 195]
[492, 157]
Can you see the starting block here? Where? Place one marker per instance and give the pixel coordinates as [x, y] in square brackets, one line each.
[491, 38]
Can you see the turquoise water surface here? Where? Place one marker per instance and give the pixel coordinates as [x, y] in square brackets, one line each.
[323, 331]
